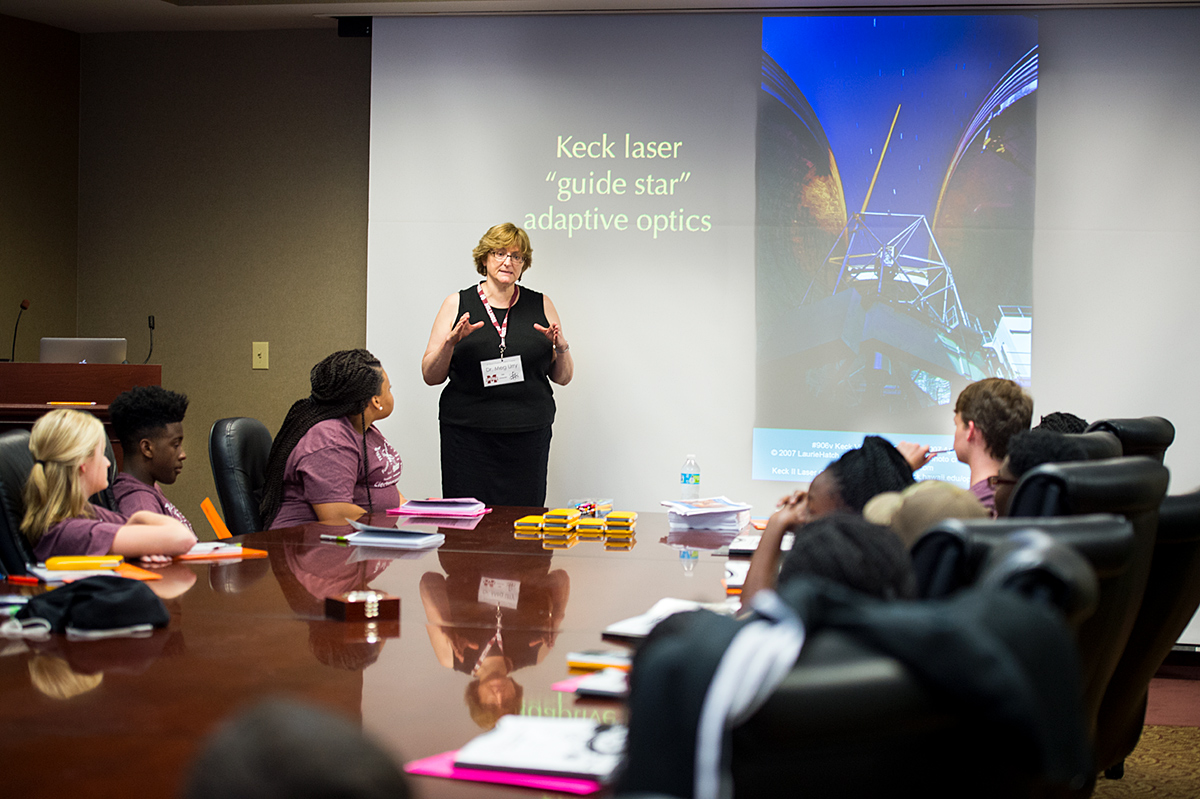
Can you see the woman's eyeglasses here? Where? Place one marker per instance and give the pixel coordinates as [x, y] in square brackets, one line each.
[517, 258]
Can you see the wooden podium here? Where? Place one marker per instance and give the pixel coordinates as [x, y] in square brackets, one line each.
[26, 389]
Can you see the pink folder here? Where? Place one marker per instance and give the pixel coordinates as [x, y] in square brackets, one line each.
[443, 766]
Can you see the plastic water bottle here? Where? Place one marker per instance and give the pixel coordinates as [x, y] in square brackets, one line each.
[687, 559]
[689, 479]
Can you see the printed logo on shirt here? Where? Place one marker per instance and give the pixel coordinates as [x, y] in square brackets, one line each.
[390, 465]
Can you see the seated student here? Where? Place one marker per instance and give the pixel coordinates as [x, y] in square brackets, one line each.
[844, 486]
[986, 415]
[328, 462]
[148, 422]
[1062, 422]
[70, 466]
[1026, 451]
[851, 551]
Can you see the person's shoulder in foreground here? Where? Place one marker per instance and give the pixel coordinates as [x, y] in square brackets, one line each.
[283, 749]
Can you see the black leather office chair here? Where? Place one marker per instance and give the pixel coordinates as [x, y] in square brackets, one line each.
[952, 554]
[849, 721]
[1131, 487]
[14, 552]
[1148, 435]
[1171, 598]
[238, 448]
[1098, 444]
[15, 463]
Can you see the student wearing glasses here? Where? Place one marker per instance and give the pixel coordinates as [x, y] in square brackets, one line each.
[500, 345]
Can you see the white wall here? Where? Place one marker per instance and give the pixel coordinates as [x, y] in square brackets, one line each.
[1117, 245]
[466, 115]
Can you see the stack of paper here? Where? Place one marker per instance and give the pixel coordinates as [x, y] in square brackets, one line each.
[746, 544]
[393, 537]
[735, 575]
[460, 507]
[562, 747]
[638, 627]
[715, 513]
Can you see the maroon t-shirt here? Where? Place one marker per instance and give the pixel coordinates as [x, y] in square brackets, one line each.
[986, 495]
[80, 536]
[133, 495]
[327, 466]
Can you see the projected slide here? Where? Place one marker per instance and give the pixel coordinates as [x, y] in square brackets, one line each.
[894, 228]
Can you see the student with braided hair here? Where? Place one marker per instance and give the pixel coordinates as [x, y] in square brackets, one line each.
[70, 466]
[843, 487]
[329, 462]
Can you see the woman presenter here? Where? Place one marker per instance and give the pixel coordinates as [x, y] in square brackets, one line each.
[500, 345]
[328, 462]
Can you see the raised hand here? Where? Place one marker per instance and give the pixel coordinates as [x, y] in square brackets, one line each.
[462, 328]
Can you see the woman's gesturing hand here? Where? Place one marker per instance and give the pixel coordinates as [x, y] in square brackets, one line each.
[462, 328]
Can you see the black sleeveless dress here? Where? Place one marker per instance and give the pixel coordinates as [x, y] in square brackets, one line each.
[496, 441]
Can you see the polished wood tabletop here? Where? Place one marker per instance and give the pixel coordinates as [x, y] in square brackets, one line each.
[125, 717]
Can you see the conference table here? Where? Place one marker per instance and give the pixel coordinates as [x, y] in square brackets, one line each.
[125, 717]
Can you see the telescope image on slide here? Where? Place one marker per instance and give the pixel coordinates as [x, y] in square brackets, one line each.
[874, 319]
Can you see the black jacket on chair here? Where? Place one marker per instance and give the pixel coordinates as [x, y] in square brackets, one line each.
[993, 679]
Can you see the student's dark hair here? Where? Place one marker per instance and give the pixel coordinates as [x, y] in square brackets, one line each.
[849, 550]
[1032, 448]
[143, 412]
[342, 385]
[999, 408]
[1062, 422]
[285, 750]
[873, 468]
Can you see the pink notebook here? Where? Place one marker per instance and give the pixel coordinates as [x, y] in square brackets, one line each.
[443, 766]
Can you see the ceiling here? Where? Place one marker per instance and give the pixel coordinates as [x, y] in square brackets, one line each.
[97, 16]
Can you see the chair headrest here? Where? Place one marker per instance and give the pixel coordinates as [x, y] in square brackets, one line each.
[1098, 444]
[16, 461]
[1179, 518]
[1114, 485]
[1148, 435]
[1045, 569]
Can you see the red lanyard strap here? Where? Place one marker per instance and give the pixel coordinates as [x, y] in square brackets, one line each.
[501, 328]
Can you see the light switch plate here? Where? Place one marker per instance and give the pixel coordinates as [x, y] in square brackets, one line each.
[260, 358]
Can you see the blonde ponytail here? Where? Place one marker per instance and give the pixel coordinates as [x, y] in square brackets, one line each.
[60, 442]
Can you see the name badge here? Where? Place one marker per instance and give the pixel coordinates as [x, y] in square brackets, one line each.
[494, 591]
[500, 371]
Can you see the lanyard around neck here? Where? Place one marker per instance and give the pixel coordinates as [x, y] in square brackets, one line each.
[501, 328]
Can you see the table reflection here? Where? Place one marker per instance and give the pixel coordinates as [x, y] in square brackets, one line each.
[492, 614]
[310, 570]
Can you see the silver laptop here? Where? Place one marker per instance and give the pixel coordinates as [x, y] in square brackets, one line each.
[83, 350]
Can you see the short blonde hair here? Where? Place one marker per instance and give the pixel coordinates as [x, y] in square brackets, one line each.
[60, 442]
[500, 237]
